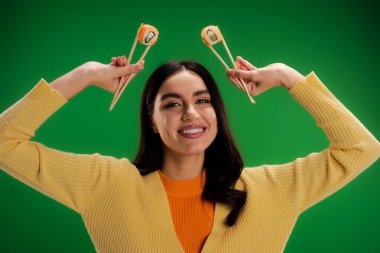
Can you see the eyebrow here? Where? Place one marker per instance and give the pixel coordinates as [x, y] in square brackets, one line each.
[176, 95]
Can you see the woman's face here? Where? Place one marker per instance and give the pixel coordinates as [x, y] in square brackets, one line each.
[183, 115]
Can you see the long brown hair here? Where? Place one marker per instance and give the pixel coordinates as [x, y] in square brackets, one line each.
[223, 163]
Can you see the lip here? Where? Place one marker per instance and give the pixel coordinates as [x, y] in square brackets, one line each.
[192, 135]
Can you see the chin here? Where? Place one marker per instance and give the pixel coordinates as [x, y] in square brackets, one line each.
[194, 150]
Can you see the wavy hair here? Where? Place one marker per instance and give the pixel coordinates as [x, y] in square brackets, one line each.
[223, 163]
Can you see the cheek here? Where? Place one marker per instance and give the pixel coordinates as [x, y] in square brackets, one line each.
[211, 116]
[214, 123]
[158, 118]
[164, 123]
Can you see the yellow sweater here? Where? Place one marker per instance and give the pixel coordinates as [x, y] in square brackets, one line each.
[125, 212]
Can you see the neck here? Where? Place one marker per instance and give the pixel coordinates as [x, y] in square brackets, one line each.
[182, 167]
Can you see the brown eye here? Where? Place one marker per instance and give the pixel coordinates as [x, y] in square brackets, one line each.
[203, 101]
[171, 105]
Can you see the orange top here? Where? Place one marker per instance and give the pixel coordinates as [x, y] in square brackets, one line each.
[192, 216]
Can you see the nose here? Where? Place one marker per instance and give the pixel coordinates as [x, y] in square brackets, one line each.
[190, 113]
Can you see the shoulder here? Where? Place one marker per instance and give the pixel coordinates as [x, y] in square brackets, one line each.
[254, 176]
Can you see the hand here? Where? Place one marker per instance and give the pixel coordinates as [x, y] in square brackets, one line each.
[107, 76]
[262, 79]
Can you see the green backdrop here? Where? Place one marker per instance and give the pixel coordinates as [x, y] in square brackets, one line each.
[339, 40]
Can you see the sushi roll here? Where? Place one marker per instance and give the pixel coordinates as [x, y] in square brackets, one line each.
[211, 35]
[147, 35]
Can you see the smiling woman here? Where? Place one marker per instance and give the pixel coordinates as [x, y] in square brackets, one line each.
[183, 113]
[186, 190]
[183, 124]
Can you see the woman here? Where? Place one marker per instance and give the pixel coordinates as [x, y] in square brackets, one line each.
[186, 190]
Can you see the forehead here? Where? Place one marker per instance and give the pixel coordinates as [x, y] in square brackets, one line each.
[185, 83]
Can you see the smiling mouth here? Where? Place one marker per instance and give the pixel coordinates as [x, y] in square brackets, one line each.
[192, 133]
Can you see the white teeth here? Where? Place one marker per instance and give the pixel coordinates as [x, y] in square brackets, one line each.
[192, 131]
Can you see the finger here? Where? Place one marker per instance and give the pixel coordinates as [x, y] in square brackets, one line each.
[126, 70]
[125, 78]
[114, 61]
[240, 66]
[124, 60]
[232, 79]
[237, 64]
[130, 77]
[248, 75]
[119, 61]
[244, 68]
[245, 63]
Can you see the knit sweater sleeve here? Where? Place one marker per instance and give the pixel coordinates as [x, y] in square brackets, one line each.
[72, 179]
[352, 149]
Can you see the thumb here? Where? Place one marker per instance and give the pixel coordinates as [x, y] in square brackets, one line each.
[129, 69]
[240, 74]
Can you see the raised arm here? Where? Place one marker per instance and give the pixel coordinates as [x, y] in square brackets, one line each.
[104, 76]
[72, 179]
[352, 148]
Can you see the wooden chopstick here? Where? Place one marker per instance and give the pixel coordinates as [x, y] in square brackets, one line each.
[131, 76]
[243, 83]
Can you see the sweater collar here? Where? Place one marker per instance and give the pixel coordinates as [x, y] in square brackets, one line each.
[163, 217]
[187, 187]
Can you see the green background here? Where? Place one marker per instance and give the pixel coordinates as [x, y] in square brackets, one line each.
[338, 40]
